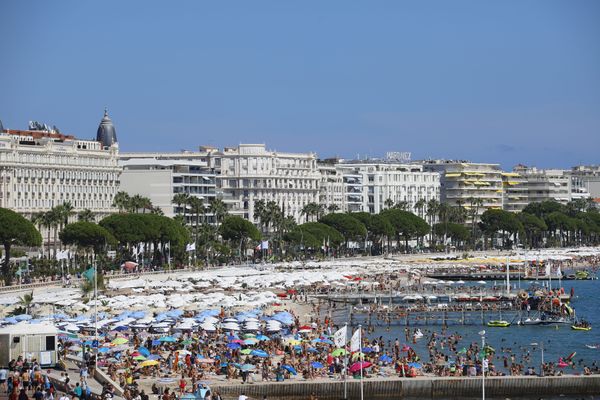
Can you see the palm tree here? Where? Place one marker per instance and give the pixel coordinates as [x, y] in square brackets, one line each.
[86, 215]
[139, 202]
[197, 208]
[402, 205]
[218, 208]
[122, 201]
[333, 208]
[259, 213]
[420, 207]
[388, 203]
[432, 211]
[25, 301]
[307, 210]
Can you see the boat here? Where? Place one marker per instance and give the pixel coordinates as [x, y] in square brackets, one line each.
[593, 346]
[581, 328]
[530, 321]
[498, 324]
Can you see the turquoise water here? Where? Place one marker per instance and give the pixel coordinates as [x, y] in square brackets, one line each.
[558, 342]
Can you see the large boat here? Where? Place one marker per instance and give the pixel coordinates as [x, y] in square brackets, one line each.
[498, 323]
[530, 321]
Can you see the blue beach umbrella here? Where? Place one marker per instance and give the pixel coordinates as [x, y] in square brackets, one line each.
[259, 353]
[316, 364]
[247, 367]
[233, 346]
[262, 338]
[143, 351]
[367, 350]
[290, 369]
[415, 365]
[167, 339]
[385, 358]
[312, 350]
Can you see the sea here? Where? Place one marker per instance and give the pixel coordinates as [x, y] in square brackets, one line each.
[558, 340]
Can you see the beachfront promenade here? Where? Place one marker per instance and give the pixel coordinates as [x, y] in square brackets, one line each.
[420, 388]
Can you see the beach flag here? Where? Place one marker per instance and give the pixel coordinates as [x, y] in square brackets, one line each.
[355, 341]
[190, 247]
[89, 274]
[339, 337]
[559, 272]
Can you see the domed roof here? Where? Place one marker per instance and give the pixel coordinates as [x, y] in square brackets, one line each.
[107, 134]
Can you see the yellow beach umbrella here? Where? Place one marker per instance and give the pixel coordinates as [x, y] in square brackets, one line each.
[120, 340]
[148, 363]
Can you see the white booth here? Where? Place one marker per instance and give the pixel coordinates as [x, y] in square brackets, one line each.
[30, 341]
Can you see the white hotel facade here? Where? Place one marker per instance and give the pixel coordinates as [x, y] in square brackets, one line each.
[42, 169]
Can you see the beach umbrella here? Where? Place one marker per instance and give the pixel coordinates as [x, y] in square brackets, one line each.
[262, 338]
[482, 282]
[249, 335]
[206, 360]
[121, 328]
[143, 351]
[316, 364]
[232, 337]
[367, 350]
[148, 363]
[183, 352]
[139, 358]
[461, 282]
[120, 340]
[234, 346]
[187, 342]
[247, 367]
[386, 359]
[357, 355]
[246, 351]
[415, 365]
[103, 350]
[293, 342]
[153, 357]
[188, 396]
[259, 353]
[339, 352]
[359, 365]
[167, 339]
[251, 341]
[312, 350]
[239, 341]
[290, 369]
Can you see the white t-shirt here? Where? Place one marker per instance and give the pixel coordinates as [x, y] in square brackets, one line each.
[243, 397]
[64, 397]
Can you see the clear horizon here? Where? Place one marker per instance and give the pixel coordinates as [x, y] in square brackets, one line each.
[506, 83]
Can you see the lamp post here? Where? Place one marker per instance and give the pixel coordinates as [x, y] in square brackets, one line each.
[483, 364]
[542, 350]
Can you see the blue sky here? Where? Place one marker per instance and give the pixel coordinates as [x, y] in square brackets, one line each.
[505, 81]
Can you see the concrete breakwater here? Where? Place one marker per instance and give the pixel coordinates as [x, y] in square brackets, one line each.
[421, 388]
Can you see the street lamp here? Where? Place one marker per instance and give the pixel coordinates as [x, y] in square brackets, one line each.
[483, 363]
[542, 349]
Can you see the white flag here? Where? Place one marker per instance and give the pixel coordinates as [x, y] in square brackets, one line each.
[190, 247]
[339, 337]
[355, 341]
[558, 272]
[547, 269]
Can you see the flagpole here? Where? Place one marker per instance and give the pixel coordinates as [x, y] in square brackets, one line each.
[346, 366]
[361, 361]
[96, 311]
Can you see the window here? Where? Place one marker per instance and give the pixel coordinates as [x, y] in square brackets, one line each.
[50, 343]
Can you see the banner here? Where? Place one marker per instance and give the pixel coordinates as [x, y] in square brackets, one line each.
[89, 274]
[339, 337]
[190, 247]
[355, 341]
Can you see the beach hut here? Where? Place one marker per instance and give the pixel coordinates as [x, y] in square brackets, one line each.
[31, 341]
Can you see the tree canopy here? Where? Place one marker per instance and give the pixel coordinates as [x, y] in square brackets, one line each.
[16, 230]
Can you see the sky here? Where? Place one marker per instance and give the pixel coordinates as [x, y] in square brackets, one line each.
[508, 81]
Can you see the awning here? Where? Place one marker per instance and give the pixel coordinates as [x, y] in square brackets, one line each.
[452, 175]
[480, 183]
[511, 174]
[474, 174]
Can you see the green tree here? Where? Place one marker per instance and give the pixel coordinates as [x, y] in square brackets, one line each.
[218, 208]
[350, 227]
[86, 215]
[26, 301]
[16, 231]
[87, 235]
[239, 231]
[533, 227]
[122, 201]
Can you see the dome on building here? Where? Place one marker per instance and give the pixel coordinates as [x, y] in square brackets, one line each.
[107, 134]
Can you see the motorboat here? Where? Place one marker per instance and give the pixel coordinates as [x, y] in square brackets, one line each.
[498, 324]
